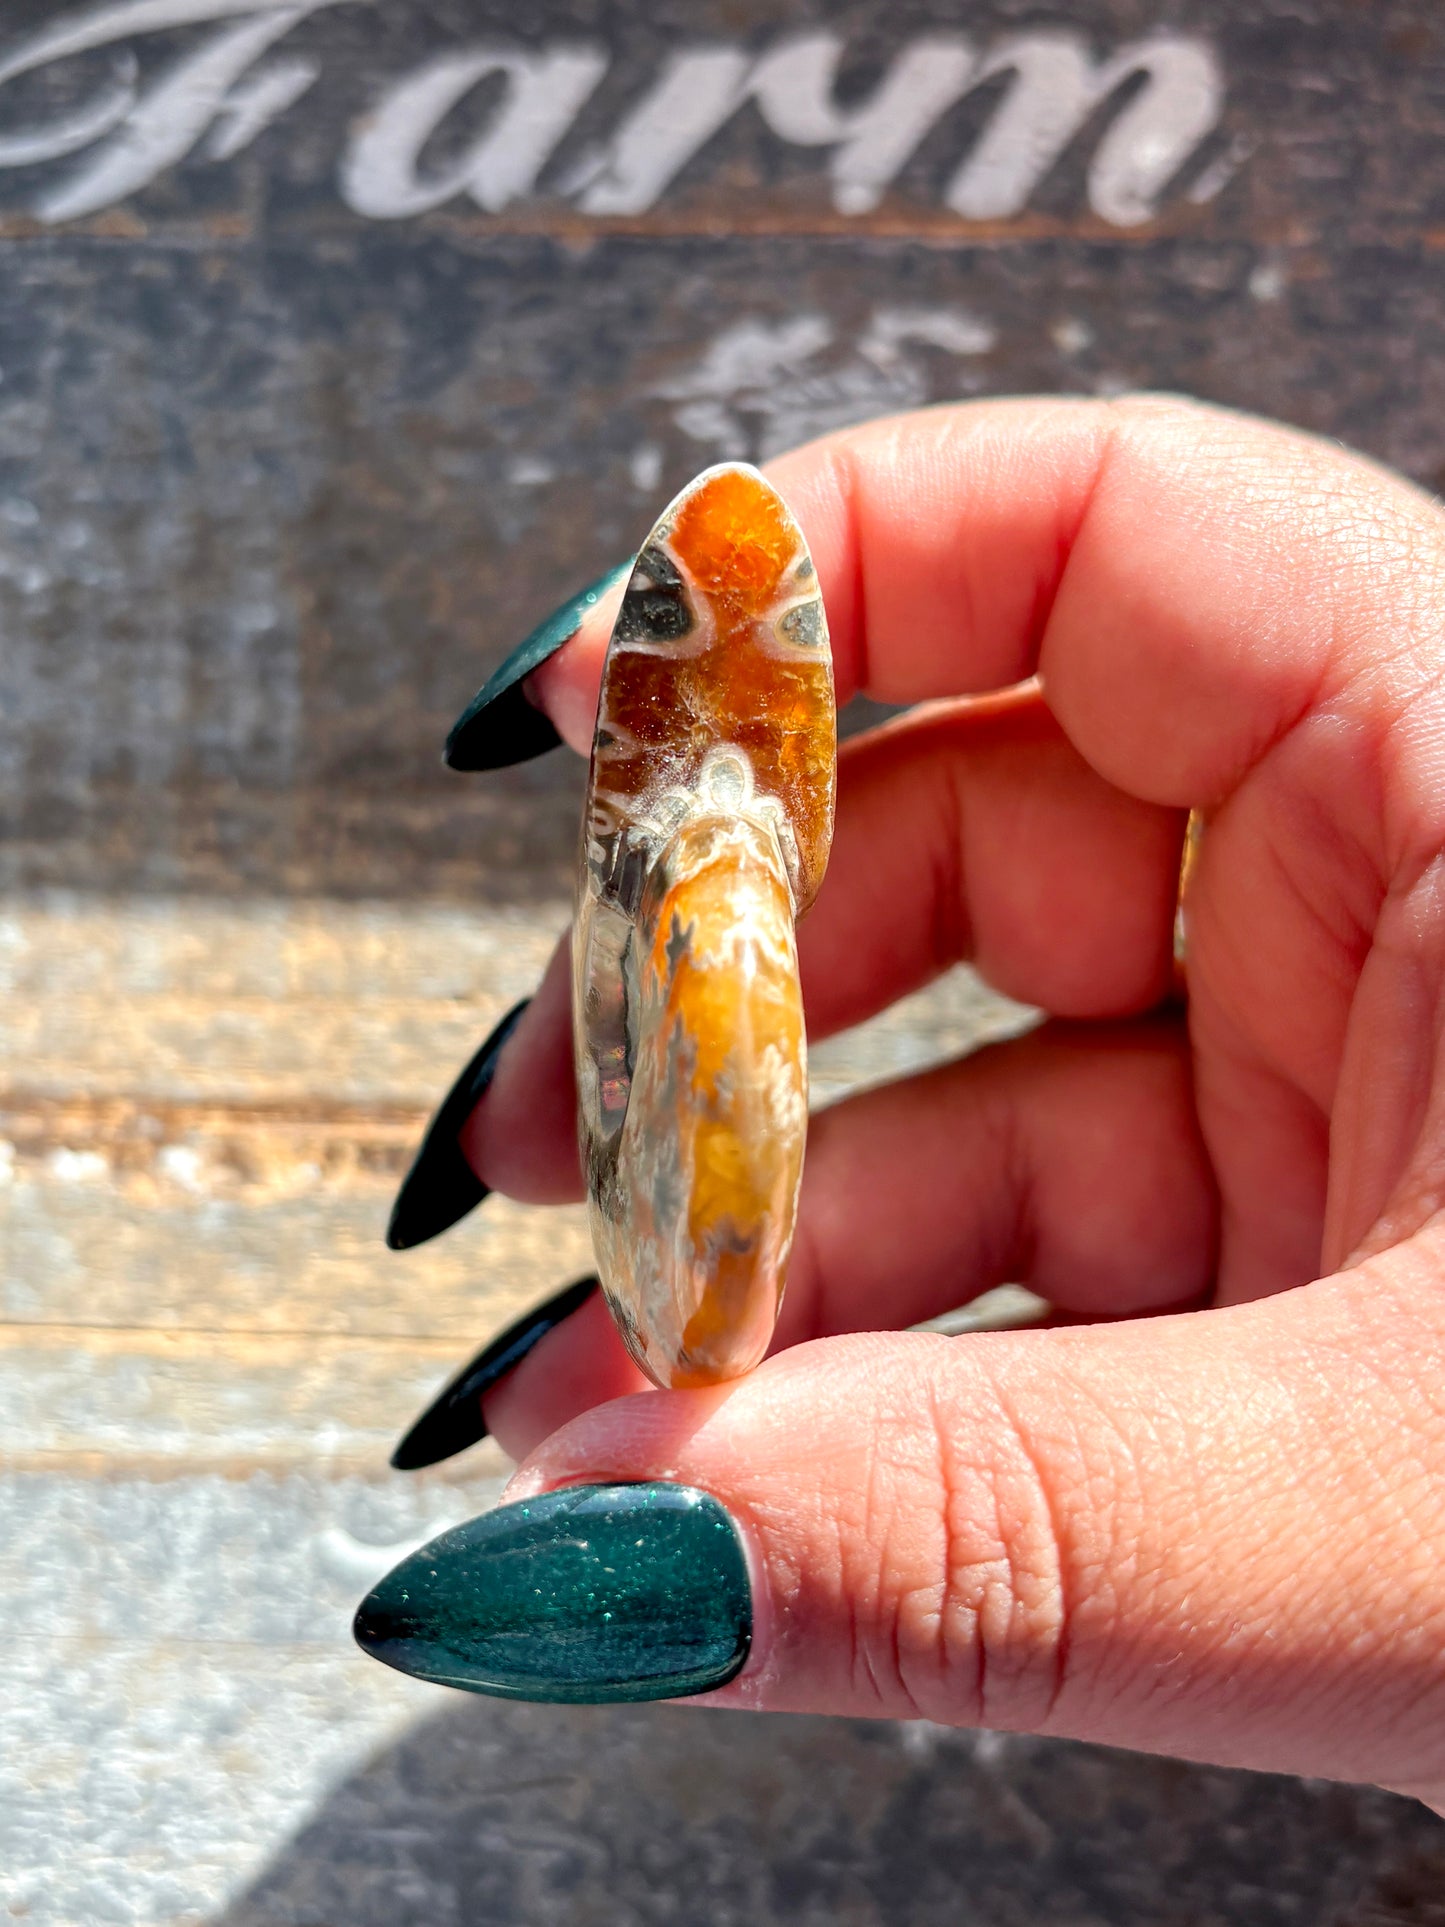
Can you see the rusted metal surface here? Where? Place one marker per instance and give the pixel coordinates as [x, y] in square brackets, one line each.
[337, 343]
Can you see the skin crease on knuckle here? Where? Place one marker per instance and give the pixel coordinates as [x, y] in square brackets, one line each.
[1005, 1610]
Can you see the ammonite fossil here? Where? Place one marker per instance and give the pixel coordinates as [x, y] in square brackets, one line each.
[708, 820]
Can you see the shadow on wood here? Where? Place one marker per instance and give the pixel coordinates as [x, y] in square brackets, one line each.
[500, 1813]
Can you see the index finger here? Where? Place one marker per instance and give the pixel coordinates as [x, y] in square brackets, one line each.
[1185, 580]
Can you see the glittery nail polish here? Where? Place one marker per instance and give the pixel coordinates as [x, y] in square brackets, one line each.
[586, 1595]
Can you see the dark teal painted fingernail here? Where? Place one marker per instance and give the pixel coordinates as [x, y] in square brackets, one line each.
[499, 726]
[453, 1420]
[583, 1596]
[441, 1186]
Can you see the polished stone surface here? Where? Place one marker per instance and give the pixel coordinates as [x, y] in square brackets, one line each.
[709, 816]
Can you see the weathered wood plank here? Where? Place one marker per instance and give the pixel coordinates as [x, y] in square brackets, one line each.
[211, 1141]
[135, 1561]
[308, 416]
[316, 1005]
[106, 1399]
[83, 1254]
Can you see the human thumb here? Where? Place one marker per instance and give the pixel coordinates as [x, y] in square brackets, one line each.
[1216, 1535]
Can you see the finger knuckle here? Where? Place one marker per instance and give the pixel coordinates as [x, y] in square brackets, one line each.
[978, 1585]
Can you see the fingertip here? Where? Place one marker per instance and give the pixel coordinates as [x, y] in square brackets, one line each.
[565, 687]
[817, 482]
[522, 1138]
[580, 1364]
[937, 535]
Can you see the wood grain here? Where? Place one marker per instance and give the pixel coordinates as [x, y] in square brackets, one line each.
[219, 1103]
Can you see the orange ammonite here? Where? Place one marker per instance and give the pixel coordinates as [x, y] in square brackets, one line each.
[709, 815]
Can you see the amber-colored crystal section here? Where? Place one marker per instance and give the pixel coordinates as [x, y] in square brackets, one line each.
[709, 815]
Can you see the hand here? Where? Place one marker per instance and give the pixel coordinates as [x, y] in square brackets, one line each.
[1218, 1532]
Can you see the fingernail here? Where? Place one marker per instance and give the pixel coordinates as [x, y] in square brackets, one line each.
[453, 1420]
[499, 726]
[441, 1186]
[591, 1594]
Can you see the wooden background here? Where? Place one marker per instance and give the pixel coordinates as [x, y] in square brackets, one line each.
[286, 467]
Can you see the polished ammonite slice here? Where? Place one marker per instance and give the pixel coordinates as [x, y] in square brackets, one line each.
[709, 816]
